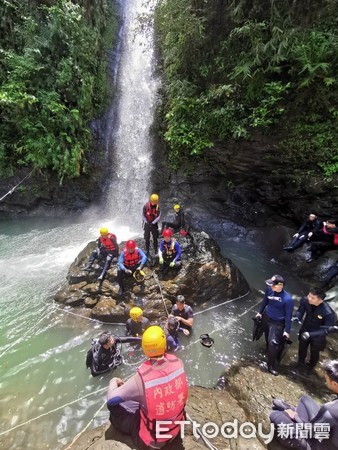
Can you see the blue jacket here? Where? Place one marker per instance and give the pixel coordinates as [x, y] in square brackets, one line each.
[278, 306]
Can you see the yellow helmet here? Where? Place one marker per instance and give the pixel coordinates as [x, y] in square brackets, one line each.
[154, 341]
[135, 313]
[154, 198]
[177, 207]
[104, 231]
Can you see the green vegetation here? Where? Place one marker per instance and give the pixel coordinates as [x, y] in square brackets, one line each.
[234, 66]
[53, 79]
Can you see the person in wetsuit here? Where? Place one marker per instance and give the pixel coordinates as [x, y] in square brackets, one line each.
[276, 313]
[151, 215]
[317, 314]
[309, 228]
[137, 324]
[103, 355]
[288, 419]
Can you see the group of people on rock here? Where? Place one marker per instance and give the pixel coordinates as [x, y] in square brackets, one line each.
[132, 259]
[320, 237]
[159, 389]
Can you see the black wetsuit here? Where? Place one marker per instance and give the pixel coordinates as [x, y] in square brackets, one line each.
[308, 412]
[316, 316]
[137, 328]
[102, 360]
[309, 226]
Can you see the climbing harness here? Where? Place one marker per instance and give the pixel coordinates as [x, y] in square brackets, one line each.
[13, 188]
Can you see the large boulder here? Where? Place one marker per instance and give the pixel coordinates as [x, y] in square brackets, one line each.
[205, 276]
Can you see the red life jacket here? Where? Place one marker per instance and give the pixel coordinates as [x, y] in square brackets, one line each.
[335, 235]
[108, 243]
[151, 212]
[130, 259]
[166, 392]
[169, 247]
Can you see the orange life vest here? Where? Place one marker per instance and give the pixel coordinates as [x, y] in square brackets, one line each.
[130, 259]
[166, 392]
[107, 242]
[151, 212]
[169, 247]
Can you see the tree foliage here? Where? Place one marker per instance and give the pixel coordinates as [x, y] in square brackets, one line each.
[232, 66]
[53, 80]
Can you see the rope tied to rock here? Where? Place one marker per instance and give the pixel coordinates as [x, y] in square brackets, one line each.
[161, 291]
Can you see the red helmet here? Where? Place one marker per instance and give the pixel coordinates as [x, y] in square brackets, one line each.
[131, 245]
[167, 232]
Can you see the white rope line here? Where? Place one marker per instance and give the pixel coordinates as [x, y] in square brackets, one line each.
[221, 304]
[27, 332]
[85, 428]
[88, 318]
[204, 438]
[13, 188]
[50, 412]
[161, 292]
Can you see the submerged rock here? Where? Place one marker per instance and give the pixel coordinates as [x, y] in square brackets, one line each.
[205, 276]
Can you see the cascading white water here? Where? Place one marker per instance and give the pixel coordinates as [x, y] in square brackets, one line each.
[133, 114]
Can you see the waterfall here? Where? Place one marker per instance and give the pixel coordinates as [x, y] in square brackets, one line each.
[129, 141]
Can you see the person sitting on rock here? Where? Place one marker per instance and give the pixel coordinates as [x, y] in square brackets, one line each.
[103, 355]
[132, 258]
[151, 215]
[291, 423]
[178, 224]
[169, 252]
[183, 313]
[323, 241]
[317, 314]
[137, 324]
[172, 327]
[309, 228]
[157, 392]
[108, 248]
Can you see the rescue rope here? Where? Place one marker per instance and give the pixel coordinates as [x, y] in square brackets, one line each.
[221, 304]
[13, 188]
[27, 332]
[49, 412]
[88, 318]
[161, 292]
[204, 438]
[86, 427]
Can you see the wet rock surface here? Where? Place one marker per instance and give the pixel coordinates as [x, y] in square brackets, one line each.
[205, 276]
[244, 394]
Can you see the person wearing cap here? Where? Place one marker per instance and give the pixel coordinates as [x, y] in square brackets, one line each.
[178, 223]
[103, 355]
[172, 328]
[106, 247]
[307, 415]
[309, 228]
[276, 308]
[324, 240]
[169, 253]
[183, 313]
[317, 314]
[137, 324]
[131, 259]
[157, 392]
[151, 215]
